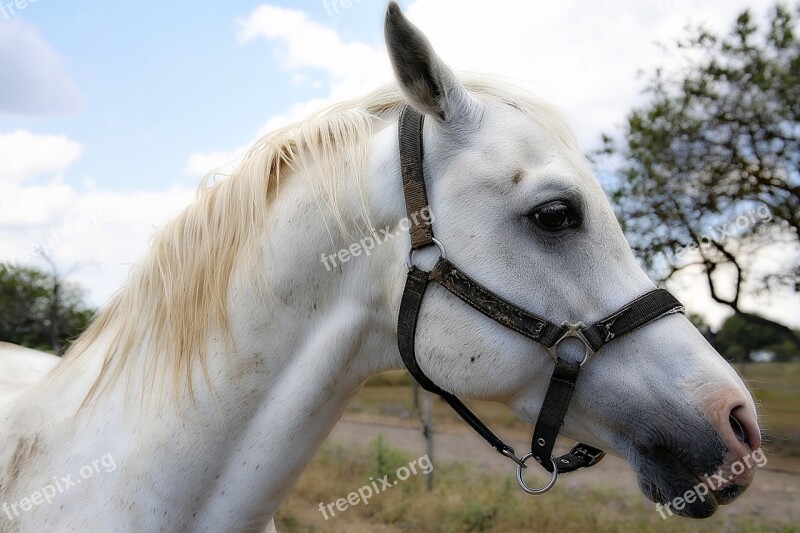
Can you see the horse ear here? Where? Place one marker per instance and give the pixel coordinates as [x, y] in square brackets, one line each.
[429, 84]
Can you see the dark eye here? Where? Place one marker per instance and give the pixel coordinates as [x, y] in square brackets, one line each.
[555, 216]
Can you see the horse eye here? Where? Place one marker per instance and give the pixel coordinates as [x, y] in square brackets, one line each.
[555, 216]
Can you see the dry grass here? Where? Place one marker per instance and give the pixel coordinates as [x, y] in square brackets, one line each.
[466, 500]
[469, 499]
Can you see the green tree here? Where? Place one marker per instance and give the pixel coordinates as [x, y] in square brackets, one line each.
[707, 172]
[738, 338]
[40, 311]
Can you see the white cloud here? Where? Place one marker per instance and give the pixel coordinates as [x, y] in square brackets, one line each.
[221, 161]
[25, 155]
[585, 58]
[33, 79]
[306, 44]
[107, 229]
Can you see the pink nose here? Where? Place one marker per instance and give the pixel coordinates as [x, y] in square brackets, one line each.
[737, 427]
[732, 414]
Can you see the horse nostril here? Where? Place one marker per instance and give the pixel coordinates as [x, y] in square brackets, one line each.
[745, 427]
[738, 430]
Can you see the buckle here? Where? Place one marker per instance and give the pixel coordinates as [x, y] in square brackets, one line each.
[584, 451]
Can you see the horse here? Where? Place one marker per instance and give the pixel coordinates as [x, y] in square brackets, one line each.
[198, 395]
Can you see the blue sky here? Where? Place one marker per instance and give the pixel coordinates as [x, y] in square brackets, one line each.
[111, 113]
[159, 82]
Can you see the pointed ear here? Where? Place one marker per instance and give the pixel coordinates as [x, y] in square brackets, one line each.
[430, 86]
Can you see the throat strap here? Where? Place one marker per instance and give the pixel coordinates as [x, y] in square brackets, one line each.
[416, 283]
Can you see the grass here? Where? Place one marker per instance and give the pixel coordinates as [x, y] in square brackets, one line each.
[776, 388]
[465, 499]
[389, 394]
[470, 499]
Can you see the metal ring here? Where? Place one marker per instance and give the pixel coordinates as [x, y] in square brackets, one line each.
[442, 253]
[573, 331]
[542, 490]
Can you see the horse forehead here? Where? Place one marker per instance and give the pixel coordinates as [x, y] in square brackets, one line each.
[511, 136]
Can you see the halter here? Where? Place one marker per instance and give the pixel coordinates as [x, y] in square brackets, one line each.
[641, 311]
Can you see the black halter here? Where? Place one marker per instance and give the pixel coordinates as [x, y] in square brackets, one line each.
[645, 309]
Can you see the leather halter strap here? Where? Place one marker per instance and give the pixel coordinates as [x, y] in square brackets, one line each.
[411, 157]
[641, 311]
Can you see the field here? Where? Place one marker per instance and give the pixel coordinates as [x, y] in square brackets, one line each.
[776, 388]
[474, 488]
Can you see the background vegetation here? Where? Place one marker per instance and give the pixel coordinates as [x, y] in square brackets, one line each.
[707, 171]
[39, 310]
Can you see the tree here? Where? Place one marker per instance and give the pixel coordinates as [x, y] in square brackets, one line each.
[738, 338]
[707, 173]
[40, 310]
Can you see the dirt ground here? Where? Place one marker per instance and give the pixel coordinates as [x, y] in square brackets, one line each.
[775, 492]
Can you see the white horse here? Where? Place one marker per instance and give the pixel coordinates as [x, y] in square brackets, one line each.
[199, 394]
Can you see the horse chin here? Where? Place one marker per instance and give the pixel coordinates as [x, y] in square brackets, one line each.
[662, 494]
[666, 480]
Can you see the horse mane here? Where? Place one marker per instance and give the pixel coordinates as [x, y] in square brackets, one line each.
[176, 296]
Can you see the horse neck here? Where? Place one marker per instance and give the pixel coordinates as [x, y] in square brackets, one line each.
[304, 345]
[324, 329]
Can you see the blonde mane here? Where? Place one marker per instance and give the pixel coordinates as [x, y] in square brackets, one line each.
[177, 295]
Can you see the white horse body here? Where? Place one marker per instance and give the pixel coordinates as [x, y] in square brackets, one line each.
[302, 354]
[21, 368]
[303, 339]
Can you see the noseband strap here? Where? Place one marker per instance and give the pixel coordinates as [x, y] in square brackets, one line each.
[640, 312]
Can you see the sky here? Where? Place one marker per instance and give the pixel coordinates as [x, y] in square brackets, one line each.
[111, 113]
